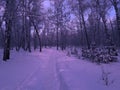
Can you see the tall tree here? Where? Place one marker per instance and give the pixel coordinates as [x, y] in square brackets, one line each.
[116, 5]
[79, 8]
[9, 13]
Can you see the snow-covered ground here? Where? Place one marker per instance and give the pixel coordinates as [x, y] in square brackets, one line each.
[54, 70]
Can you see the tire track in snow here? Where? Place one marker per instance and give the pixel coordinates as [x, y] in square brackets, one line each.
[28, 77]
[62, 83]
[51, 64]
[46, 64]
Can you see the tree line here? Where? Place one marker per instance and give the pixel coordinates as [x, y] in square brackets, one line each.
[28, 23]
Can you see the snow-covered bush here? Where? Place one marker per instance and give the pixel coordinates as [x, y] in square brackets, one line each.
[100, 55]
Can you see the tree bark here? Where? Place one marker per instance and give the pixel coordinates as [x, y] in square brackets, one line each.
[6, 54]
[9, 10]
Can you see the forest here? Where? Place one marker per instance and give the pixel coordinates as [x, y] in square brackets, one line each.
[63, 23]
[59, 44]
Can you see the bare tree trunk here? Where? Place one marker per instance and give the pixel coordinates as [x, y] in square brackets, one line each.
[35, 41]
[113, 39]
[117, 10]
[36, 30]
[84, 24]
[118, 24]
[108, 40]
[57, 39]
[28, 37]
[1, 33]
[86, 34]
[8, 19]
[6, 54]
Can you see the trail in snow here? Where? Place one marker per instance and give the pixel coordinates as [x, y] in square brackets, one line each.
[53, 70]
[45, 76]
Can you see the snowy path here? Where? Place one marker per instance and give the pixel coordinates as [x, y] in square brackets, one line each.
[45, 76]
[53, 70]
